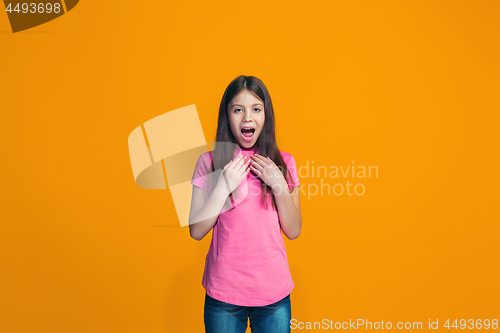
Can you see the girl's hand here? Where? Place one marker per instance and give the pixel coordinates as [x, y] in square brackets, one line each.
[233, 173]
[269, 172]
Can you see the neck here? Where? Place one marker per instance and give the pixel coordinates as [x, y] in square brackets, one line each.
[246, 149]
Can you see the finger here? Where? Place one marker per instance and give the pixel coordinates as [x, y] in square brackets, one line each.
[247, 171]
[270, 160]
[244, 171]
[257, 172]
[263, 159]
[257, 166]
[241, 163]
[258, 163]
[260, 160]
[246, 164]
[236, 163]
[267, 158]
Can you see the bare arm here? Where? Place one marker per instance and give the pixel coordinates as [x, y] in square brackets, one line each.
[206, 207]
[289, 212]
[288, 204]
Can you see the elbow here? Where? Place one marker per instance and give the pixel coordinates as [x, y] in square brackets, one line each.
[298, 229]
[194, 235]
[295, 234]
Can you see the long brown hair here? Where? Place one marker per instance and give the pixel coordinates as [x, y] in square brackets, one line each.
[266, 143]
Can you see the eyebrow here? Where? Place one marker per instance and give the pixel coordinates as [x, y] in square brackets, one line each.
[244, 106]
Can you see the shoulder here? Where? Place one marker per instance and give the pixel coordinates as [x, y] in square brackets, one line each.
[206, 157]
[287, 157]
[292, 168]
[204, 161]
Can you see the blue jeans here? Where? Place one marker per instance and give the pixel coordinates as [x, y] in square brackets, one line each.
[223, 317]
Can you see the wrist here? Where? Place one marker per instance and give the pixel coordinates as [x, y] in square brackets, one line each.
[281, 187]
[221, 190]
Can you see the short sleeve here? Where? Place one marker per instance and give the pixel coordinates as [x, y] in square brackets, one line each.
[292, 168]
[202, 171]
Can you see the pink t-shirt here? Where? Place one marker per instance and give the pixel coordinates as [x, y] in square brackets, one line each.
[246, 263]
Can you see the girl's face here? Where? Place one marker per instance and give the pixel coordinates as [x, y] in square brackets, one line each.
[246, 118]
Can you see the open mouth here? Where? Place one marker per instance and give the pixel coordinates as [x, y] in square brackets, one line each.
[247, 133]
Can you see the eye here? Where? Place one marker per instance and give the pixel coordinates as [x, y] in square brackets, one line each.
[237, 110]
[258, 110]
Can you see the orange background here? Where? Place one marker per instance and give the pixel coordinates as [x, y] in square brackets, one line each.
[411, 87]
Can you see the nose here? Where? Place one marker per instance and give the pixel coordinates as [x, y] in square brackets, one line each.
[247, 116]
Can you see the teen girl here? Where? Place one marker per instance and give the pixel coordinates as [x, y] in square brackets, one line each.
[247, 205]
